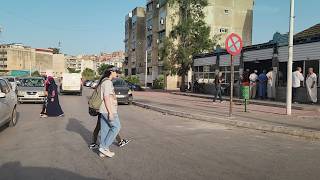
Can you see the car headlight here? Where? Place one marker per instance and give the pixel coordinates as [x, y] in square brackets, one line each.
[21, 93]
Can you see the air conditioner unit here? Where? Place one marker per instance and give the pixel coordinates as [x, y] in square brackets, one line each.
[162, 21]
[158, 6]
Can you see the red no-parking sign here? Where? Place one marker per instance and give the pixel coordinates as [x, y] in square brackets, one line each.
[234, 44]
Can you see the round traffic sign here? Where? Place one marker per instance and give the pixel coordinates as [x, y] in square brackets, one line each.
[234, 44]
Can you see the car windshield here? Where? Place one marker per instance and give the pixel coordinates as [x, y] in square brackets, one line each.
[119, 82]
[32, 82]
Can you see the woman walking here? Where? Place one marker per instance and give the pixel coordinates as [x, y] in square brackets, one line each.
[53, 106]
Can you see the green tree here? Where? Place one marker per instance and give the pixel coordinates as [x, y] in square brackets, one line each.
[35, 74]
[190, 36]
[88, 74]
[134, 79]
[73, 70]
[103, 67]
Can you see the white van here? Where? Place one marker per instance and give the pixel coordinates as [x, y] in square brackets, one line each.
[71, 83]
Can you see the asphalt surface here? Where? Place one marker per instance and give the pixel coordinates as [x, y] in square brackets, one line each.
[162, 147]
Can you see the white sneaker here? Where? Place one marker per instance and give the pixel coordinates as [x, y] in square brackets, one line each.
[106, 152]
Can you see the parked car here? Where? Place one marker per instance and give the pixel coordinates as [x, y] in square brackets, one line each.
[134, 87]
[122, 90]
[13, 81]
[88, 83]
[95, 84]
[71, 83]
[31, 89]
[8, 104]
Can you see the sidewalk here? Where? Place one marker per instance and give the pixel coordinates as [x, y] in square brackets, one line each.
[304, 121]
[257, 102]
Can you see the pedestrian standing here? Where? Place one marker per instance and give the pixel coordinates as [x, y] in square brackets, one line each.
[253, 84]
[311, 82]
[297, 78]
[217, 82]
[270, 88]
[44, 106]
[109, 119]
[262, 84]
[53, 106]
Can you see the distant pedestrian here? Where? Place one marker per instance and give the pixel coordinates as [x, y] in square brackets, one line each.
[311, 82]
[53, 105]
[253, 84]
[270, 87]
[217, 84]
[262, 84]
[297, 78]
[109, 119]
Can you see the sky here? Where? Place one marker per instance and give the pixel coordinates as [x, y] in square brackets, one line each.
[91, 27]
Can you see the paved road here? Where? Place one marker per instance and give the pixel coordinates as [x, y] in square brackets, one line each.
[163, 147]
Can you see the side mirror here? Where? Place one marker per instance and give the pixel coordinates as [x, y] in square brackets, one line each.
[2, 95]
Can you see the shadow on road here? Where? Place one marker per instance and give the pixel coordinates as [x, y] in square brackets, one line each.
[14, 170]
[75, 125]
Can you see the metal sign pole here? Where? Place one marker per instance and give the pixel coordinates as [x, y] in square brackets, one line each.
[231, 86]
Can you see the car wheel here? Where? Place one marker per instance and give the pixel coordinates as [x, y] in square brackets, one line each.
[13, 119]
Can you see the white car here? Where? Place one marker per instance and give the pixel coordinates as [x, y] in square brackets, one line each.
[95, 84]
[8, 104]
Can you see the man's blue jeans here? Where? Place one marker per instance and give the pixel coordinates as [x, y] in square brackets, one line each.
[109, 130]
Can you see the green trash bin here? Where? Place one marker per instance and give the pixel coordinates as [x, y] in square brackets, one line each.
[245, 91]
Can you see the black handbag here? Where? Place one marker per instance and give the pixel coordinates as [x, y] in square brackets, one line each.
[93, 112]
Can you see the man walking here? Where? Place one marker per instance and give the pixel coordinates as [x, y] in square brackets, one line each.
[253, 84]
[311, 82]
[270, 88]
[262, 84]
[217, 82]
[297, 78]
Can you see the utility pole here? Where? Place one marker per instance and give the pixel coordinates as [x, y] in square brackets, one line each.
[146, 73]
[290, 59]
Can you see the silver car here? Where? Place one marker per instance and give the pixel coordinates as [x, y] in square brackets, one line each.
[31, 90]
[8, 104]
[12, 80]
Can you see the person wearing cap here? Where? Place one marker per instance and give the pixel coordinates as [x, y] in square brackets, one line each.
[253, 84]
[109, 119]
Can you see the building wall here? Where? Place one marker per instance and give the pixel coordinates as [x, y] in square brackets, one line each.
[13, 57]
[44, 61]
[59, 65]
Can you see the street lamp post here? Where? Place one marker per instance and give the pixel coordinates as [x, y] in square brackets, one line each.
[290, 59]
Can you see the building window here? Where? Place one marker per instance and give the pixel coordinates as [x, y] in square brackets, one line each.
[162, 35]
[133, 71]
[126, 72]
[226, 11]
[149, 41]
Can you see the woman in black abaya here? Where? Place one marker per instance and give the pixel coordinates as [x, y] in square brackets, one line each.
[53, 107]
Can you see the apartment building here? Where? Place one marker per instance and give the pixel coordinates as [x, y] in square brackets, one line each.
[17, 57]
[223, 17]
[135, 42]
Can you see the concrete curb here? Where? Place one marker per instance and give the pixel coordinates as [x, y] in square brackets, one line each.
[231, 121]
[251, 102]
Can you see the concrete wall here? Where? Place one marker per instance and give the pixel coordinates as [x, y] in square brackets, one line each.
[59, 65]
[44, 61]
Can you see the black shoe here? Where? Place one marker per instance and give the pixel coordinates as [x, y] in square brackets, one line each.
[93, 146]
[123, 142]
